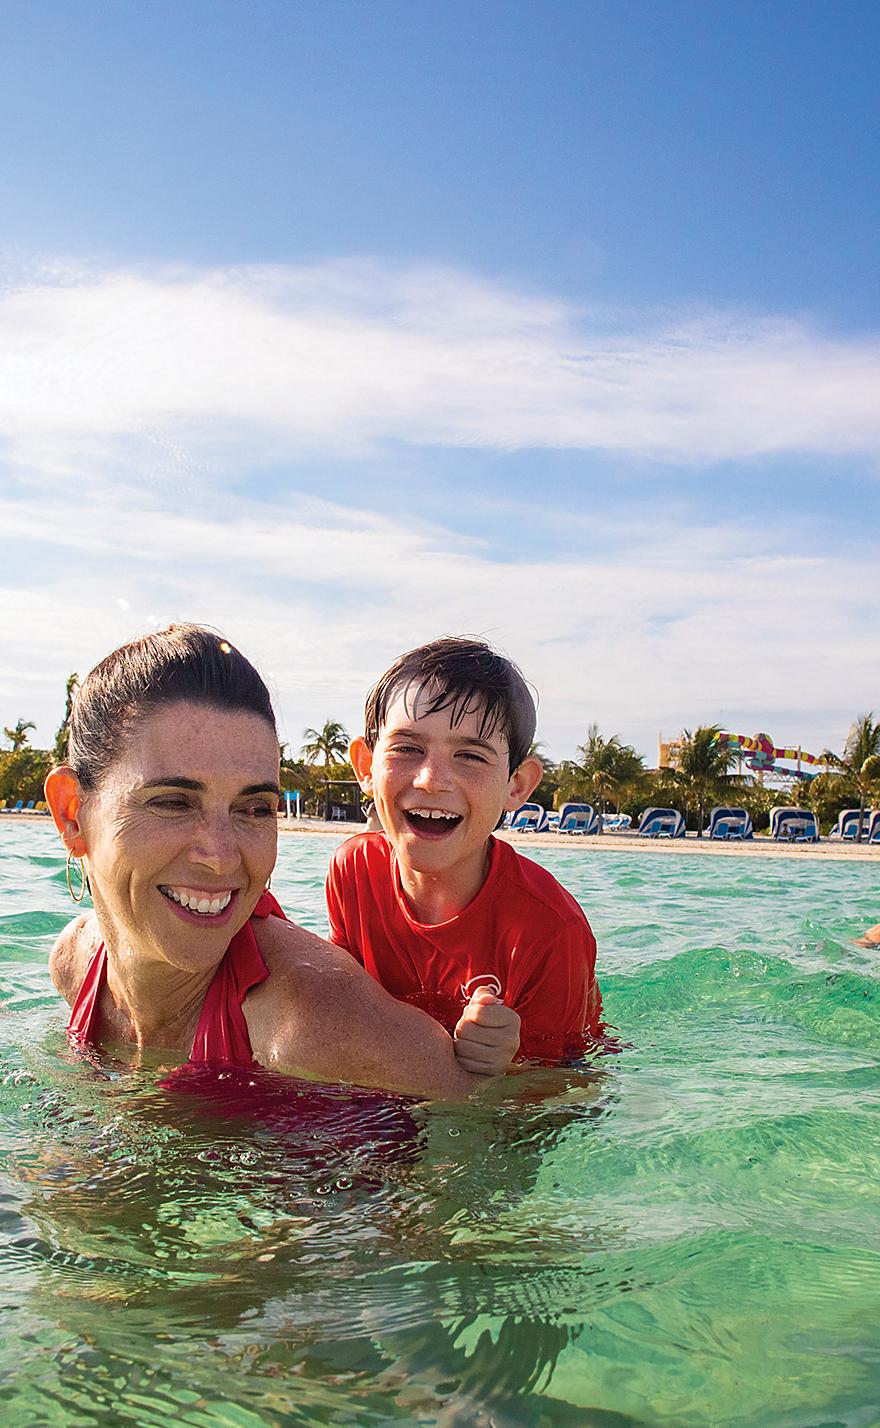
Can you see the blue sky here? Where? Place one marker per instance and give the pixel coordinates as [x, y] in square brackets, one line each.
[340, 325]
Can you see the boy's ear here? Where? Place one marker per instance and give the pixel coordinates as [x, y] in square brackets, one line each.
[62, 792]
[523, 782]
[361, 758]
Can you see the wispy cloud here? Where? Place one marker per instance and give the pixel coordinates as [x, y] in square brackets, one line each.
[159, 371]
[676, 627]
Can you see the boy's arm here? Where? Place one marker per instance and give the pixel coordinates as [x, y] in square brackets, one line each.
[487, 1035]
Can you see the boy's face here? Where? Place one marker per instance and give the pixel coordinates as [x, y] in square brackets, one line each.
[439, 790]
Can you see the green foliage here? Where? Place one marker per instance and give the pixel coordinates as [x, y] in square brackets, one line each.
[756, 800]
[860, 762]
[703, 766]
[328, 745]
[22, 773]
[322, 757]
[828, 794]
[863, 745]
[18, 734]
[607, 772]
[545, 793]
[60, 749]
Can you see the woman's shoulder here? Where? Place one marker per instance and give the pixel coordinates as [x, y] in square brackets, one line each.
[73, 950]
[303, 967]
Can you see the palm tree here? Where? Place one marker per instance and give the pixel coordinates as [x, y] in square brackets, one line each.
[606, 766]
[860, 761]
[546, 789]
[64, 728]
[18, 734]
[704, 763]
[329, 744]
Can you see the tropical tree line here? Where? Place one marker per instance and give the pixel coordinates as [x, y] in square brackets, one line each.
[23, 769]
[605, 772]
[610, 774]
[321, 772]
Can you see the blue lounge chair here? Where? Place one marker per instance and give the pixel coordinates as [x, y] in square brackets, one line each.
[730, 824]
[847, 825]
[616, 822]
[578, 819]
[793, 825]
[873, 831]
[661, 823]
[530, 818]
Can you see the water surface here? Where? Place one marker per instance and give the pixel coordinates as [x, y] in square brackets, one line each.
[688, 1235]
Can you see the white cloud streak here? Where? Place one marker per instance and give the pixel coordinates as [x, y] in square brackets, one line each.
[678, 627]
[134, 403]
[339, 358]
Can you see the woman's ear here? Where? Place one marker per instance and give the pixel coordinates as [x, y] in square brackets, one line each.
[523, 782]
[361, 758]
[63, 797]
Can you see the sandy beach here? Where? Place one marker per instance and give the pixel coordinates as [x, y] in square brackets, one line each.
[759, 847]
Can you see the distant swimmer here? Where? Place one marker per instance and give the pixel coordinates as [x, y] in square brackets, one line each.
[871, 937]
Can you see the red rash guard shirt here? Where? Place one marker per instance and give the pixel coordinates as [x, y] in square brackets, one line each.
[523, 936]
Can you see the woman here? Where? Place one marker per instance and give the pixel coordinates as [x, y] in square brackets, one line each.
[170, 799]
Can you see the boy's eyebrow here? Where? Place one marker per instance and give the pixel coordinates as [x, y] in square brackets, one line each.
[410, 732]
[173, 781]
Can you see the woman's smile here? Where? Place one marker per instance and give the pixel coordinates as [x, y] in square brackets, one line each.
[201, 904]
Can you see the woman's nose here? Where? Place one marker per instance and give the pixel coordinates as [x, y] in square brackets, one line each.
[215, 846]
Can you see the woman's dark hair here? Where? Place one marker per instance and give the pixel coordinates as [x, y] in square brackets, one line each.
[183, 663]
[464, 676]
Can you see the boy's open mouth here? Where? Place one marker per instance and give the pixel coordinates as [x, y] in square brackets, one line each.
[431, 822]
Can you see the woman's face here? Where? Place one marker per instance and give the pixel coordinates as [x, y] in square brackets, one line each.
[181, 835]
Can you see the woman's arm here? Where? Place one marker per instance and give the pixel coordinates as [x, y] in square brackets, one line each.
[320, 1015]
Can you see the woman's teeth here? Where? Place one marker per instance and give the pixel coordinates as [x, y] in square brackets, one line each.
[197, 902]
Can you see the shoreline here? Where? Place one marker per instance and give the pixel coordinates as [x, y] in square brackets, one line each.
[825, 851]
[609, 842]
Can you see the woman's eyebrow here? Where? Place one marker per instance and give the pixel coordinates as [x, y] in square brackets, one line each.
[173, 781]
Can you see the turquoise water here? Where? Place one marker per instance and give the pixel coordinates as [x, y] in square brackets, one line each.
[687, 1235]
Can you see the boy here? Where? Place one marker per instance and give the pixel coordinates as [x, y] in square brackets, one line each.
[435, 908]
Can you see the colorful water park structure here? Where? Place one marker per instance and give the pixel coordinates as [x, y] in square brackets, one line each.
[758, 753]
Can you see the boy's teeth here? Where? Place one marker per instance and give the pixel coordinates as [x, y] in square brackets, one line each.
[196, 902]
[432, 813]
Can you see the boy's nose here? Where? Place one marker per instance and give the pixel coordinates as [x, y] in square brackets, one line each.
[433, 774]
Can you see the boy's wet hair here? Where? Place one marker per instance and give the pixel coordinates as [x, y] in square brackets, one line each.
[183, 664]
[464, 676]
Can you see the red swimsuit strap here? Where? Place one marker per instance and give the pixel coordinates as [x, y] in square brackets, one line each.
[221, 1034]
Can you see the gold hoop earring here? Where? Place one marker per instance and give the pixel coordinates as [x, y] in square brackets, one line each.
[82, 872]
